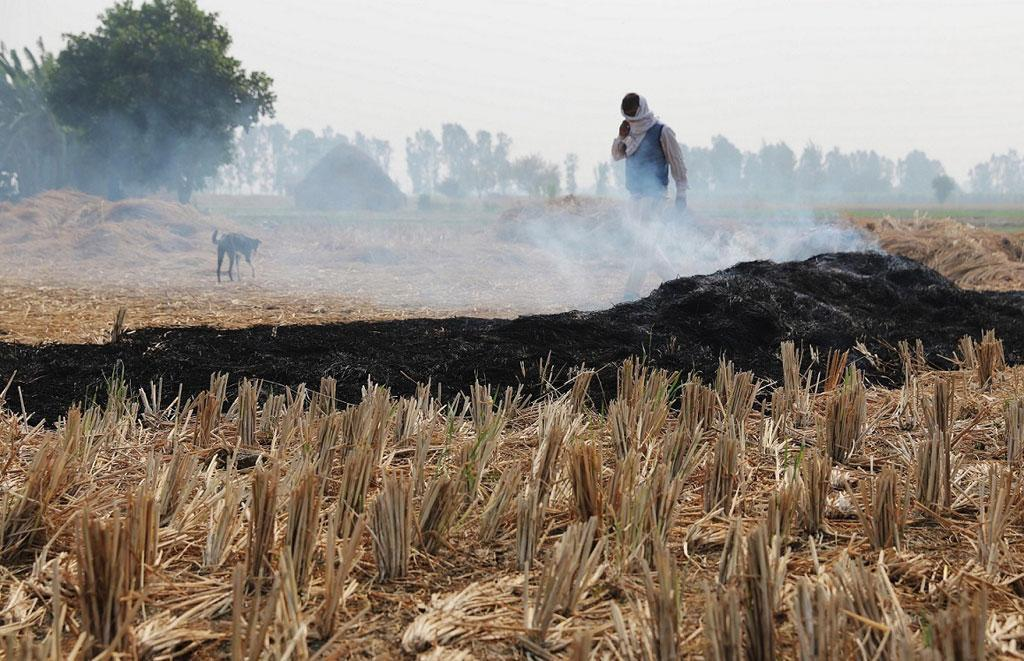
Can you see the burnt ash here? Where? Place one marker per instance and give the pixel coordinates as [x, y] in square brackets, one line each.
[830, 301]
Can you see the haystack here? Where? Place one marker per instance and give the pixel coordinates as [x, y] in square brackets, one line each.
[347, 179]
[66, 227]
[972, 257]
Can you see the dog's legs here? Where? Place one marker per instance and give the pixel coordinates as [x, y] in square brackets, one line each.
[220, 260]
[231, 265]
[248, 258]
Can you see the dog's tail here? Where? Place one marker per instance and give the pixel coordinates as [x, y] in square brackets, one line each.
[215, 236]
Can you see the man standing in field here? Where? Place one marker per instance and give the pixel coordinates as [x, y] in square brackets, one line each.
[651, 152]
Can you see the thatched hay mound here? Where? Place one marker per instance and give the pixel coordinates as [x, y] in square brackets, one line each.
[972, 257]
[345, 179]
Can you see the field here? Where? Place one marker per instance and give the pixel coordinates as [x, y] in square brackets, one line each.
[601, 484]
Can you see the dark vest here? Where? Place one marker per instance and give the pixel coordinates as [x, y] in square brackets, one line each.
[647, 169]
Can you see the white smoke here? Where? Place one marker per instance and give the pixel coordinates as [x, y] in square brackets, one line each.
[588, 255]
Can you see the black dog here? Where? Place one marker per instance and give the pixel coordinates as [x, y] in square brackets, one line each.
[234, 245]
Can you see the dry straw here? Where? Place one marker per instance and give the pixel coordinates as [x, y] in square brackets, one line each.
[263, 514]
[722, 478]
[815, 474]
[1013, 430]
[573, 566]
[584, 466]
[818, 612]
[437, 512]
[339, 559]
[881, 511]
[796, 389]
[392, 527]
[723, 623]
[764, 574]
[304, 523]
[736, 391]
[1003, 502]
[664, 605]
[841, 430]
[108, 577]
[960, 631]
[500, 502]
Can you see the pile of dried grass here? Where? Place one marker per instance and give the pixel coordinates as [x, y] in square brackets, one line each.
[973, 257]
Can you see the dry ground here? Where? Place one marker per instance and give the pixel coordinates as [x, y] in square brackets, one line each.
[475, 547]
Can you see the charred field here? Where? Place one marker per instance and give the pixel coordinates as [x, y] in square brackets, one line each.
[829, 302]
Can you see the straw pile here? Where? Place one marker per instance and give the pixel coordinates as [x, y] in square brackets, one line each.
[67, 224]
[972, 257]
[688, 520]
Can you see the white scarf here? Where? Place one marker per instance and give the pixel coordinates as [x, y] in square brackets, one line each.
[639, 123]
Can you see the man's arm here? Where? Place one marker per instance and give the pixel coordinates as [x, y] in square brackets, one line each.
[618, 149]
[674, 156]
[620, 143]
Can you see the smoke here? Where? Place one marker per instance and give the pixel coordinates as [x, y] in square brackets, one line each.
[593, 255]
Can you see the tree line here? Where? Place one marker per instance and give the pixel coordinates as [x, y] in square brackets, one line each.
[152, 100]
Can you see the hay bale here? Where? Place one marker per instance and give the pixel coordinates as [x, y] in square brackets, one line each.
[346, 179]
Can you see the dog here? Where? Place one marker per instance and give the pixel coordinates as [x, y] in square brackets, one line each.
[235, 246]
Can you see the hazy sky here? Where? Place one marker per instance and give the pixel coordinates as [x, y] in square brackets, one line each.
[889, 75]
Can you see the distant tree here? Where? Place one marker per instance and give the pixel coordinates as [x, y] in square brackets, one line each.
[535, 176]
[772, 170]
[457, 154]
[1001, 175]
[726, 165]
[699, 171]
[870, 174]
[601, 173]
[810, 170]
[980, 178]
[376, 148]
[33, 143]
[502, 164]
[155, 96]
[943, 185]
[1008, 172]
[838, 172]
[423, 161]
[915, 173]
[572, 162]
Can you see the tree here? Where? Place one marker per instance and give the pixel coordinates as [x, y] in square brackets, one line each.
[980, 178]
[376, 148]
[535, 177]
[423, 161]
[457, 153]
[1002, 174]
[771, 170]
[726, 165]
[943, 185]
[699, 171]
[601, 174]
[810, 170]
[572, 162]
[154, 95]
[915, 173]
[33, 144]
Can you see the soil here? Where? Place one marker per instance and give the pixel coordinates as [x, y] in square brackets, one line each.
[829, 301]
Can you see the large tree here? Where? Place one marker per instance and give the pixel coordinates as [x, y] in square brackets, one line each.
[154, 95]
[32, 142]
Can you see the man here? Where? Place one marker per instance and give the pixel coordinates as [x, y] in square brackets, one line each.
[651, 152]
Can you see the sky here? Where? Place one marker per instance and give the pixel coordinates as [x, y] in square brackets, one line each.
[890, 75]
